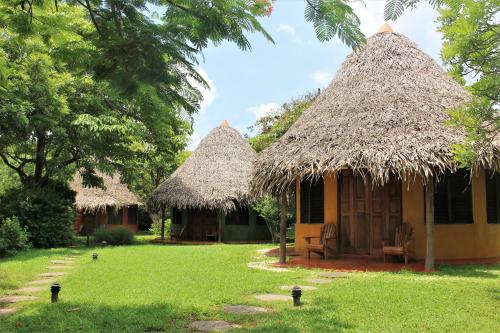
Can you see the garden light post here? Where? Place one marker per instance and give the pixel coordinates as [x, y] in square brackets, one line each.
[94, 256]
[54, 290]
[104, 243]
[296, 294]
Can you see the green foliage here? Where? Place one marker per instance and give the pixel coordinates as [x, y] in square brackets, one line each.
[471, 44]
[334, 18]
[395, 8]
[13, 237]
[268, 208]
[274, 125]
[115, 236]
[8, 179]
[156, 227]
[47, 214]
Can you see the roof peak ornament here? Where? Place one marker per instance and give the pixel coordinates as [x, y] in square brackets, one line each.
[385, 28]
[225, 124]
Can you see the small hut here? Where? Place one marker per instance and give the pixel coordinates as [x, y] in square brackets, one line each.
[111, 206]
[209, 195]
[374, 151]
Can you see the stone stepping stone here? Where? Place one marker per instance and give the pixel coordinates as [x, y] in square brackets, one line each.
[42, 281]
[244, 309]
[273, 297]
[212, 325]
[7, 311]
[15, 299]
[319, 281]
[333, 275]
[32, 289]
[52, 274]
[62, 262]
[58, 267]
[304, 288]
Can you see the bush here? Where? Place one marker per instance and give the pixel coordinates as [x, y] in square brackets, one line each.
[13, 237]
[116, 236]
[156, 227]
[47, 213]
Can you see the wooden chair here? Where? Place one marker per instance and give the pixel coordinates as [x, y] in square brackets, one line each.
[402, 240]
[328, 232]
[176, 231]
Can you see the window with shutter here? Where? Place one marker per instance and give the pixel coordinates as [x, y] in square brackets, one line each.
[453, 199]
[132, 214]
[312, 201]
[492, 197]
[115, 217]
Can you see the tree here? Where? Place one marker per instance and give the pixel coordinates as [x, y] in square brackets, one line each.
[471, 43]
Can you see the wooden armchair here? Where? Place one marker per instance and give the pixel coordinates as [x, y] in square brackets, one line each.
[176, 231]
[402, 240]
[328, 232]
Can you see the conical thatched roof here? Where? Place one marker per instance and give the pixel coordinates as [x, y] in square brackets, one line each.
[216, 176]
[384, 112]
[115, 194]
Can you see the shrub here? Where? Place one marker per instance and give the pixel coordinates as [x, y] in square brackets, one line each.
[13, 237]
[46, 213]
[116, 236]
[156, 227]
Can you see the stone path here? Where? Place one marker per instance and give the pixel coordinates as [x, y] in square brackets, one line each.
[16, 298]
[304, 288]
[244, 309]
[273, 297]
[262, 265]
[36, 285]
[31, 289]
[333, 275]
[42, 281]
[319, 281]
[212, 325]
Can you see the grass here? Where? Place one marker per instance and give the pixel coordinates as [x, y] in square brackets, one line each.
[151, 288]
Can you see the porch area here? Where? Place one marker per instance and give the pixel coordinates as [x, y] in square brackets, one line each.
[365, 263]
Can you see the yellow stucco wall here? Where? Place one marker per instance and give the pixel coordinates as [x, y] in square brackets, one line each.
[455, 241]
[330, 213]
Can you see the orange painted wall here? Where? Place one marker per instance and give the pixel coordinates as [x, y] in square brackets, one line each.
[331, 212]
[453, 241]
[459, 241]
[102, 219]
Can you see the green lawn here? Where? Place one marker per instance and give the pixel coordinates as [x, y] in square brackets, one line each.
[151, 288]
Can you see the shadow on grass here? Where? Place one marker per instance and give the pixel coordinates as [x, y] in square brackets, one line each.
[36, 253]
[470, 271]
[164, 317]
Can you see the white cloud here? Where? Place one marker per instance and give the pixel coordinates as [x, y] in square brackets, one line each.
[286, 28]
[322, 78]
[209, 93]
[194, 140]
[263, 109]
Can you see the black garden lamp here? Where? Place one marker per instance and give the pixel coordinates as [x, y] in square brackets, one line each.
[54, 289]
[296, 294]
[104, 243]
[94, 256]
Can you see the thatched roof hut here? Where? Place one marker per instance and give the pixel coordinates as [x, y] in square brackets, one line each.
[384, 113]
[114, 195]
[216, 176]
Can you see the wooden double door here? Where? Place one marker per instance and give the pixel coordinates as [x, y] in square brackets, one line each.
[368, 213]
[201, 224]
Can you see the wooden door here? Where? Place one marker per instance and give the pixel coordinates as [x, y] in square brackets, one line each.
[368, 214]
[201, 222]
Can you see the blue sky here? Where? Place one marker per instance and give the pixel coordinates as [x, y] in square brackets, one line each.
[247, 85]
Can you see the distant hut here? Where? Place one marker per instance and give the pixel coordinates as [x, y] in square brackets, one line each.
[114, 205]
[373, 142]
[209, 195]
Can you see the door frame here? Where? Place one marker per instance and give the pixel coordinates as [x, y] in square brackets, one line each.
[340, 247]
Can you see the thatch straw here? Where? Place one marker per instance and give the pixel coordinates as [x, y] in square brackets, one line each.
[115, 195]
[384, 113]
[216, 176]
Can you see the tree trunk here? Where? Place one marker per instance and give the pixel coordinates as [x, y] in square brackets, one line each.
[163, 217]
[429, 226]
[283, 220]
[219, 234]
